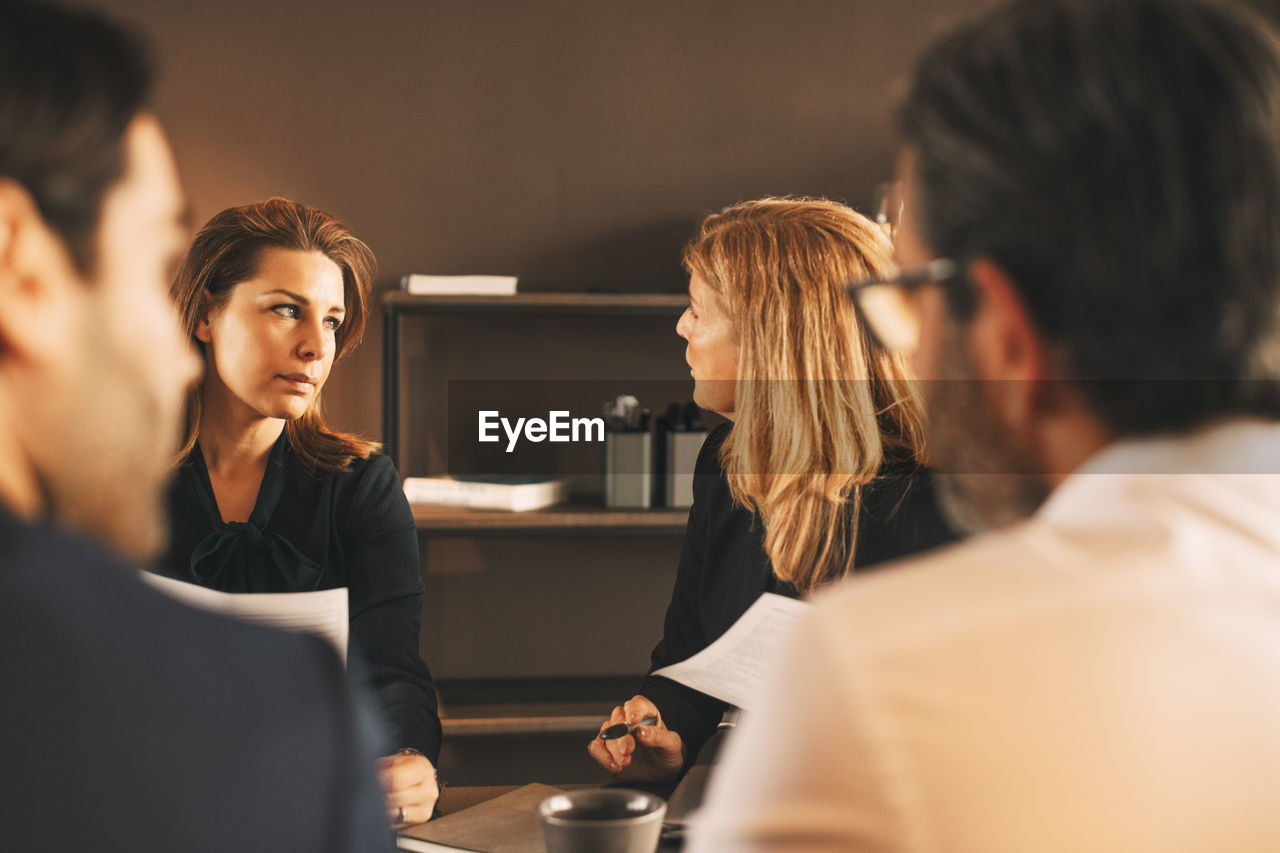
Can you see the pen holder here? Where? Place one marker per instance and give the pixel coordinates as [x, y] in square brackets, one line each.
[628, 469]
[681, 458]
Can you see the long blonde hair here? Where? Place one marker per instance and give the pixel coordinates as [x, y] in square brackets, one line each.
[816, 404]
[226, 252]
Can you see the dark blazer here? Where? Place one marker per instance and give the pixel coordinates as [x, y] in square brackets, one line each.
[724, 569]
[132, 723]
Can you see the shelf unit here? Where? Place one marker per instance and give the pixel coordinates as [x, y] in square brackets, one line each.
[578, 517]
[547, 719]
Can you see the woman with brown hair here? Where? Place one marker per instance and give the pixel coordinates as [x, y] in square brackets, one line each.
[817, 475]
[268, 498]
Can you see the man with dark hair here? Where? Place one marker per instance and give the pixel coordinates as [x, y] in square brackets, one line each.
[1091, 286]
[129, 723]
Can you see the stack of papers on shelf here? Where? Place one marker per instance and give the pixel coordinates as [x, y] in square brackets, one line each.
[514, 494]
[459, 285]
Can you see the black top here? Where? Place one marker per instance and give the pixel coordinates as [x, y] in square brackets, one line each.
[322, 531]
[133, 723]
[724, 569]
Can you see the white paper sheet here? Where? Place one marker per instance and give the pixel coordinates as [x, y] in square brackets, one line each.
[735, 667]
[323, 612]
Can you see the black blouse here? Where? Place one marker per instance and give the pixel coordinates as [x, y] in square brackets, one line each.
[724, 569]
[321, 531]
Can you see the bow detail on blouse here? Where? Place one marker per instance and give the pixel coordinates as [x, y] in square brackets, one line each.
[241, 558]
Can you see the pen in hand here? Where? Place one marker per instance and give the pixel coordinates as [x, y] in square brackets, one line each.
[618, 730]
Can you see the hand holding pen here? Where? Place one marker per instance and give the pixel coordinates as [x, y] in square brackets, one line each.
[644, 749]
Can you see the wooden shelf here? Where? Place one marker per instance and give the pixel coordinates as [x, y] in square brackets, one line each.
[399, 302]
[572, 518]
[531, 706]
[559, 724]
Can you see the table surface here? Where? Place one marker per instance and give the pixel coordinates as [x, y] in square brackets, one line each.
[691, 787]
[454, 800]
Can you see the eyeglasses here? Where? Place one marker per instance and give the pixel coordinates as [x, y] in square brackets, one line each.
[887, 305]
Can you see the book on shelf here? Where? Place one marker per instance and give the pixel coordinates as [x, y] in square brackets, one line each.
[459, 285]
[513, 494]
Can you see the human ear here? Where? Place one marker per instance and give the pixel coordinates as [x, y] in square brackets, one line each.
[1007, 348]
[37, 276]
[202, 332]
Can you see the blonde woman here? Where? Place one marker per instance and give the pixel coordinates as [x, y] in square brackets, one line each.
[817, 475]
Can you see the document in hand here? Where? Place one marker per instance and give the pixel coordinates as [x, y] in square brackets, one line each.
[736, 667]
[323, 612]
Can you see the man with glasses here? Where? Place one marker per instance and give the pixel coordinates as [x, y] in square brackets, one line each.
[1091, 294]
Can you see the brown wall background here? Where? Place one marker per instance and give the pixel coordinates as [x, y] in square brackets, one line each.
[574, 143]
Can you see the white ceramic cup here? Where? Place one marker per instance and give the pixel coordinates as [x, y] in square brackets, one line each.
[602, 820]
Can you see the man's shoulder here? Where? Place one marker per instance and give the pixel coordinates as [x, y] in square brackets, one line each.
[91, 606]
[111, 673]
[1127, 557]
[973, 585]
[921, 577]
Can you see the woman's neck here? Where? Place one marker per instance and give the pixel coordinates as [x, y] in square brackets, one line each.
[232, 442]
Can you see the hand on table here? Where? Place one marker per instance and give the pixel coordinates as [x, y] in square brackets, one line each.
[410, 783]
[652, 754]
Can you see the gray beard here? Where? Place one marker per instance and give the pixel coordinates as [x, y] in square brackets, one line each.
[984, 479]
[975, 503]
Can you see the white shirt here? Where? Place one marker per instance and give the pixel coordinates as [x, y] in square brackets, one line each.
[1102, 677]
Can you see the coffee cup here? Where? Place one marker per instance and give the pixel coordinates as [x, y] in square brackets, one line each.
[602, 820]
